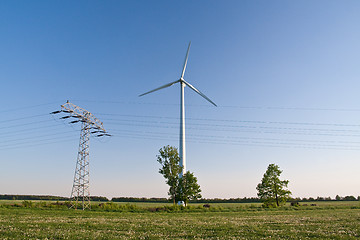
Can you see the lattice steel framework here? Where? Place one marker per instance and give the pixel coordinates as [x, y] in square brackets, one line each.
[80, 190]
[80, 194]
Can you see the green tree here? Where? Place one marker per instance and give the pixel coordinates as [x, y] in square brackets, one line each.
[272, 191]
[349, 198]
[180, 189]
[170, 169]
[188, 188]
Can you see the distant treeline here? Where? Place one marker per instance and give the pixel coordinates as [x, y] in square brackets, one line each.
[32, 197]
[230, 200]
[143, 199]
[233, 200]
[45, 198]
[165, 200]
[203, 200]
[337, 198]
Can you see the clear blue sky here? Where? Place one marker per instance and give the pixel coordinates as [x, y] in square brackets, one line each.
[285, 75]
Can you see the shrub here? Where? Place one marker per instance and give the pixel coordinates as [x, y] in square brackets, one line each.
[269, 205]
[28, 204]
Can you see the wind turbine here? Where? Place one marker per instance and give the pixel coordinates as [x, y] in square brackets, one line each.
[183, 83]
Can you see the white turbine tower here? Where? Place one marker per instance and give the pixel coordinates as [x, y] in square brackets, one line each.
[183, 83]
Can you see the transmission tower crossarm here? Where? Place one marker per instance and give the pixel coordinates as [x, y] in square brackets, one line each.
[86, 116]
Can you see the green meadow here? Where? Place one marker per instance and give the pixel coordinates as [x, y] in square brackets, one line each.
[326, 220]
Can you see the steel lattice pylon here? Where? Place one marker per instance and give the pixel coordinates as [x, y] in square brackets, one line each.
[80, 191]
[80, 194]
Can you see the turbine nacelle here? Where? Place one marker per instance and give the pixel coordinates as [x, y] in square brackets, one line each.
[181, 81]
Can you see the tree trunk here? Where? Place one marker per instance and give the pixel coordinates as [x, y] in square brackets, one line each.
[276, 197]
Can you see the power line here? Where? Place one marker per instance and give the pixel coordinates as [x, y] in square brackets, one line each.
[30, 143]
[223, 140]
[270, 145]
[236, 126]
[36, 137]
[229, 137]
[17, 119]
[21, 132]
[214, 139]
[27, 130]
[225, 106]
[202, 137]
[24, 124]
[172, 124]
[198, 124]
[232, 120]
[33, 145]
[248, 130]
[27, 107]
[319, 144]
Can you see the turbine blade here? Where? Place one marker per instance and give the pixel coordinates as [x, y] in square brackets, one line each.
[200, 93]
[185, 62]
[165, 86]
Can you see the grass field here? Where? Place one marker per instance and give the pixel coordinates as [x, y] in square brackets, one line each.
[226, 205]
[328, 220]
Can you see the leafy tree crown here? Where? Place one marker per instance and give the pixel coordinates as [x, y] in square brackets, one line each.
[272, 190]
